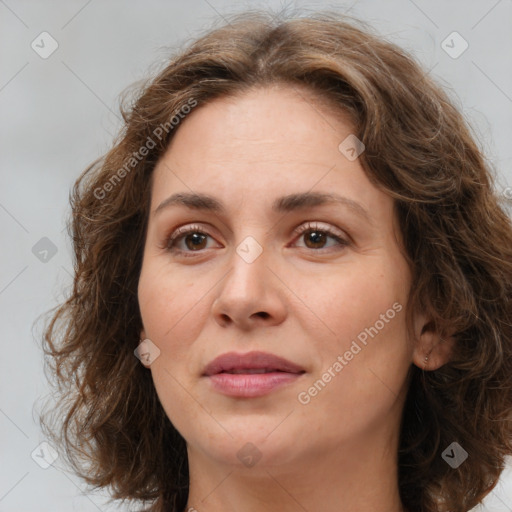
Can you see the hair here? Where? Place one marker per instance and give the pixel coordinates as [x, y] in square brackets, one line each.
[457, 240]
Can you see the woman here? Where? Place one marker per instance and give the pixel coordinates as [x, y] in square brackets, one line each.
[299, 240]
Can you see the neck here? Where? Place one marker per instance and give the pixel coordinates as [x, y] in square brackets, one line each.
[360, 476]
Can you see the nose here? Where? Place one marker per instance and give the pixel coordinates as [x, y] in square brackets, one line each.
[250, 295]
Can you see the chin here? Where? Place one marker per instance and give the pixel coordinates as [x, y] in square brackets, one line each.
[258, 445]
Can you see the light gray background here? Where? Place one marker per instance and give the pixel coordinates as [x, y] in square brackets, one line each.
[60, 113]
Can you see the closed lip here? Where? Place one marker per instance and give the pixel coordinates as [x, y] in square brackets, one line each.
[233, 362]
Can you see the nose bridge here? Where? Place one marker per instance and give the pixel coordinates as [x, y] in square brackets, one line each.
[248, 264]
[249, 292]
[250, 250]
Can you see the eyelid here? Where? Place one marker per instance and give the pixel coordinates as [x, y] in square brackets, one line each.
[182, 231]
[330, 230]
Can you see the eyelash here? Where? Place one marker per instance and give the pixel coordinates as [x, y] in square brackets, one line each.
[181, 233]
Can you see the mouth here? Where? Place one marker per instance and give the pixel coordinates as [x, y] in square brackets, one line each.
[238, 371]
[250, 375]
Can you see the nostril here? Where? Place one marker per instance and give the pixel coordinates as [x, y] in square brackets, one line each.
[263, 314]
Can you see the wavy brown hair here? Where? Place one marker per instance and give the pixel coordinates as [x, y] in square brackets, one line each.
[457, 240]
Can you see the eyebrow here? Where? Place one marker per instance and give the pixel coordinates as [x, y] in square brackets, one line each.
[284, 204]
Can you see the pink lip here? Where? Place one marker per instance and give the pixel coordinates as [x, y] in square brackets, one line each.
[279, 372]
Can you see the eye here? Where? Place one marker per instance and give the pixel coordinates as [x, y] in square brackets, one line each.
[316, 236]
[190, 239]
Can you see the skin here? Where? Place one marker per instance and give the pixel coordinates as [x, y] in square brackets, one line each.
[303, 302]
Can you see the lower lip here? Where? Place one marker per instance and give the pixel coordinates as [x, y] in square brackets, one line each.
[249, 385]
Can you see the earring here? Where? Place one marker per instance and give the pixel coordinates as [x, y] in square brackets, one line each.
[428, 355]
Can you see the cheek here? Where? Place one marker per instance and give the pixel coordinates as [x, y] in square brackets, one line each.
[164, 298]
[352, 299]
[373, 319]
[173, 312]
[171, 308]
[364, 310]
[375, 354]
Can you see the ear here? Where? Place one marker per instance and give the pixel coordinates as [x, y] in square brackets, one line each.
[430, 350]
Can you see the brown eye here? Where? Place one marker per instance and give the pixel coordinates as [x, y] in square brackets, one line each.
[316, 237]
[188, 240]
[195, 241]
[191, 239]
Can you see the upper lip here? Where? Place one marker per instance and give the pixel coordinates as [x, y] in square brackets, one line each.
[250, 360]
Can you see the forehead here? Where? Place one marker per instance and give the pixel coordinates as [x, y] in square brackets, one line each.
[277, 117]
[259, 144]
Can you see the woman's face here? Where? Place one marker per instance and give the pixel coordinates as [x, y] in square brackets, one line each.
[270, 265]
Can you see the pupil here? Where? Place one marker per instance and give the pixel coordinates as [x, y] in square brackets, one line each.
[317, 237]
[196, 240]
